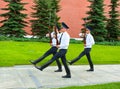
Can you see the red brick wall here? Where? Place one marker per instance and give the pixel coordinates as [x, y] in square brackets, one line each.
[72, 12]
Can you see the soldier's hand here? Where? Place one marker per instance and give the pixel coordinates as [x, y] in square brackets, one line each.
[58, 46]
[50, 44]
[84, 45]
[47, 35]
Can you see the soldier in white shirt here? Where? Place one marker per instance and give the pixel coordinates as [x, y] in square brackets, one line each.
[89, 41]
[63, 46]
[52, 50]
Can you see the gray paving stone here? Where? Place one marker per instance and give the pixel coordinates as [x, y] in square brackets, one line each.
[28, 77]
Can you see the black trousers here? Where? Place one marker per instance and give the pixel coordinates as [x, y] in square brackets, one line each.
[52, 50]
[86, 52]
[61, 54]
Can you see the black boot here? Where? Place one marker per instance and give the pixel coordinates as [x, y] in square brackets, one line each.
[66, 76]
[91, 69]
[59, 70]
[32, 62]
[39, 68]
[70, 62]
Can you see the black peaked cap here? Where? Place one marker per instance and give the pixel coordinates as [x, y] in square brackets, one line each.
[64, 25]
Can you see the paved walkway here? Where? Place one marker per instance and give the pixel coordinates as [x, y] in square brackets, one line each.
[28, 77]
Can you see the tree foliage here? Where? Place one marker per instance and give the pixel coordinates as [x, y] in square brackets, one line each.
[44, 16]
[13, 22]
[113, 25]
[96, 19]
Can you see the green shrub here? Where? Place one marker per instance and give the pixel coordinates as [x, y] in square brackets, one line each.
[115, 43]
[46, 40]
[4, 38]
[75, 41]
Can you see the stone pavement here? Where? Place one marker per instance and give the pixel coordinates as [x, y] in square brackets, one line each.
[28, 77]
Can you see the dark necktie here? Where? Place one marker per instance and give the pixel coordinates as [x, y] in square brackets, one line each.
[84, 39]
[60, 38]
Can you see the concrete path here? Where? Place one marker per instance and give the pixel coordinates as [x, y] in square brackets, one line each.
[28, 77]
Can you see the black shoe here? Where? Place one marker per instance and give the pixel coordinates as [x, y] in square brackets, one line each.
[69, 62]
[32, 62]
[90, 70]
[39, 68]
[59, 70]
[66, 76]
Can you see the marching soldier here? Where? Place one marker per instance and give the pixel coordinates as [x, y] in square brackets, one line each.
[52, 50]
[89, 41]
[63, 46]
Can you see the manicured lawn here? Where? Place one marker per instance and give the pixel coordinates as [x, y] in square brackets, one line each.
[99, 86]
[17, 53]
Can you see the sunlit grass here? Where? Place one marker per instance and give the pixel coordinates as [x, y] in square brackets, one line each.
[17, 53]
[98, 86]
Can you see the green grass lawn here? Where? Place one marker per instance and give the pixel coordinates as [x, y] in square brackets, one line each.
[98, 86]
[17, 53]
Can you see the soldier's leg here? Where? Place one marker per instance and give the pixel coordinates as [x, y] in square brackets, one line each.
[89, 58]
[56, 56]
[58, 64]
[63, 58]
[50, 51]
[77, 58]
